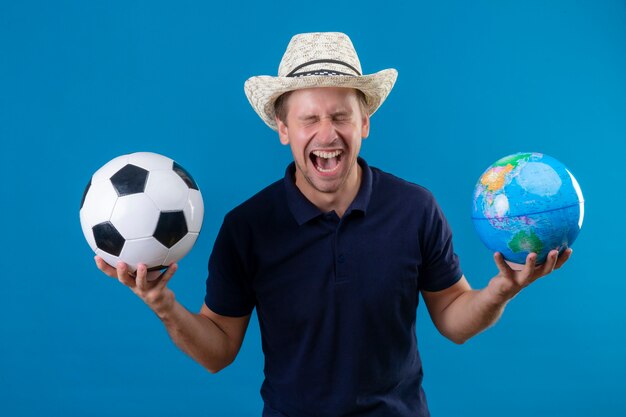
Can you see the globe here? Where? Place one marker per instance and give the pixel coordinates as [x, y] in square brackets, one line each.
[527, 202]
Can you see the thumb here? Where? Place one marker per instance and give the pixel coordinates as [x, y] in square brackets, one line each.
[503, 267]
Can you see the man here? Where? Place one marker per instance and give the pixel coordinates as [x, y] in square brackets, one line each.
[332, 257]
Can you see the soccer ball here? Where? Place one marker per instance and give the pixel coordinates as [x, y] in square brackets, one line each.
[141, 208]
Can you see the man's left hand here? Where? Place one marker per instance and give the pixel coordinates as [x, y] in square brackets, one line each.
[509, 282]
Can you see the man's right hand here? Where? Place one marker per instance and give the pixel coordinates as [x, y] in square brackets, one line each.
[151, 287]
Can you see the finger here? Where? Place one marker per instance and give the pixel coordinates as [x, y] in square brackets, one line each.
[549, 264]
[526, 275]
[123, 276]
[142, 277]
[563, 258]
[105, 267]
[504, 268]
[167, 275]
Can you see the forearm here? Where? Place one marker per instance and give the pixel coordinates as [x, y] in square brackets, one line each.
[460, 312]
[197, 336]
[469, 314]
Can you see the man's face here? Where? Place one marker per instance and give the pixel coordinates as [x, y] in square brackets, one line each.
[324, 128]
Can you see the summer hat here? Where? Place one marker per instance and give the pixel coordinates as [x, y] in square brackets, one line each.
[322, 59]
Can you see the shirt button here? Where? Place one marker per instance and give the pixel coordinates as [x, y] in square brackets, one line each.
[341, 259]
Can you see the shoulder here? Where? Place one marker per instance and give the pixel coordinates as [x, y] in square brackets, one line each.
[396, 200]
[258, 207]
[391, 188]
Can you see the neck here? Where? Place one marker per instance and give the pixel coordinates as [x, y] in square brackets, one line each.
[337, 201]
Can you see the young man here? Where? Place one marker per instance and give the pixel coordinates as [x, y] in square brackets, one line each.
[333, 256]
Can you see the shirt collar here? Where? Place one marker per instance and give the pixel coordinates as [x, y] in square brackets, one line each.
[303, 210]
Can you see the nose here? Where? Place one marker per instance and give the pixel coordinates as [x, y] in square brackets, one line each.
[327, 132]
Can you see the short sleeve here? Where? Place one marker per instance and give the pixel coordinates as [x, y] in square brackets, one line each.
[228, 285]
[440, 265]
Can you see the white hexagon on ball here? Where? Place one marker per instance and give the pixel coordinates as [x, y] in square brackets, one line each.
[194, 211]
[147, 251]
[167, 189]
[150, 161]
[99, 202]
[181, 248]
[135, 216]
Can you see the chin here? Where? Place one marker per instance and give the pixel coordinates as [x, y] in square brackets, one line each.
[329, 187]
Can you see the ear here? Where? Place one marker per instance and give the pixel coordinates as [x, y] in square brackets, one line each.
[365, 126]
[283, 131]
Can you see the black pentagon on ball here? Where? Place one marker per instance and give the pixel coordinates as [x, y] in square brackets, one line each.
[82, 202]
[108, 238]
[182, 172]
[129, 180]
[171, 227]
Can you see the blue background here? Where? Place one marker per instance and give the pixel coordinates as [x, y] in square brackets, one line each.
[83, 82]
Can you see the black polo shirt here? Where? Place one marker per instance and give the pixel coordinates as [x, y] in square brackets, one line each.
[336, 298]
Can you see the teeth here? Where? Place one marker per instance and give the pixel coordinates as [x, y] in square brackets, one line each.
[327, 155]
[327, 170]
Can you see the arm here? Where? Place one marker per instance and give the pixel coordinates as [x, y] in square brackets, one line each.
[210, 339]
[460, 313]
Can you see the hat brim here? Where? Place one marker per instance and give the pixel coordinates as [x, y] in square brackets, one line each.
[262, 91]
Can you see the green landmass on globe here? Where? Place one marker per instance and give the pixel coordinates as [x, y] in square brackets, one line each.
[526, 241]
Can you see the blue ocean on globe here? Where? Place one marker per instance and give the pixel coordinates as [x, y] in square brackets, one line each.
[527, 202]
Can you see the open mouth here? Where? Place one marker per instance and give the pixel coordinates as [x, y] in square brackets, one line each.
[326, 161]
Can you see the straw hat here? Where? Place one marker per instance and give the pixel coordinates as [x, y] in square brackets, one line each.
[324, 59]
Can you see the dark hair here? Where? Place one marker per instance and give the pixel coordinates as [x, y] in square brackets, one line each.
[280, 105]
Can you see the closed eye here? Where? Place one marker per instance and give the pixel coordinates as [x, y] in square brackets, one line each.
[335, 117]
[342, 116]
[308, 120]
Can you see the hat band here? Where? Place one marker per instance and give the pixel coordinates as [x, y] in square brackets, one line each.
[321, 72]
[293, 72]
